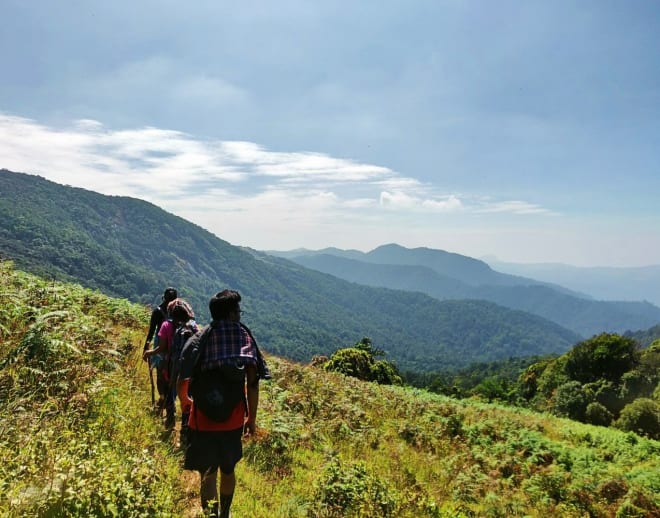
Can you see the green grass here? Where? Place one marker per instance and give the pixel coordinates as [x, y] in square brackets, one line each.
[77, 437]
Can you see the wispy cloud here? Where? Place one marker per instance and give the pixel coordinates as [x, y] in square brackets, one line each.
[265, 187]
[512, 207]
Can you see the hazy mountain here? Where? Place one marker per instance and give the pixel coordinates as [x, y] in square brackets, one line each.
[607, 283]
[442, 275]
[130, 248]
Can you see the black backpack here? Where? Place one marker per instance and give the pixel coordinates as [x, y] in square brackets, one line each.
[181, 336]
[216, 392]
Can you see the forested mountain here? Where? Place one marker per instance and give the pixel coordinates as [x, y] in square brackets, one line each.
[451, 276]
[130, 248]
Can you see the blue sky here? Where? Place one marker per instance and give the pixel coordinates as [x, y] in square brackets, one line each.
[525, 130]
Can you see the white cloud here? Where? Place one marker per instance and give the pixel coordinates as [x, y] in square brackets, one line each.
[403, 201]
[513, 207]
[230, 185]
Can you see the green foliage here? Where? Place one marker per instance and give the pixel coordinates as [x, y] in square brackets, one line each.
[496, 388]
[642, 416]
[327, 445]
[570, 401]
[597, 414]
[606, 356]
[359, 362]
[347, 491]
[74, 440]
[351, 362]
[595, 381]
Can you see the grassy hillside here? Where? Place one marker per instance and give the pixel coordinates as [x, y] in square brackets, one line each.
[132, 249]
[78, 438]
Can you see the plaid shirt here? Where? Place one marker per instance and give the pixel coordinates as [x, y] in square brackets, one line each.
[227, 342]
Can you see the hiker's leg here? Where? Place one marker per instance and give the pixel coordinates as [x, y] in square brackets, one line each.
[208, 490]
[169, 408]
[227, 486]
[162, 387]
[183, 434]
[232, 451]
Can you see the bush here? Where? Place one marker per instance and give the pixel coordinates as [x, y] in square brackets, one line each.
[570, 401]
[351, 491]
[597, 414]
[352, 362]
[359, 362]
[642, 416]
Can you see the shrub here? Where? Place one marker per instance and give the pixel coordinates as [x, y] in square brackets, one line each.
[351, 491]
[352, 362]
[570, 401]
[642, 416]
[597, 414]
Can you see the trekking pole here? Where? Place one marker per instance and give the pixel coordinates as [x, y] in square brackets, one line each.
[153, 388]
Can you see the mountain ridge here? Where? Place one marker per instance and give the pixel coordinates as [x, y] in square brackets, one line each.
[443, 275]
[130, 248]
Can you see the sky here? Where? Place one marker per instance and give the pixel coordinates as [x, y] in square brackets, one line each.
[523, 130]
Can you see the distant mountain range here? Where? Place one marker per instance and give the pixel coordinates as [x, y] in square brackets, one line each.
[449, 276]
[605, 283]
[130, 248]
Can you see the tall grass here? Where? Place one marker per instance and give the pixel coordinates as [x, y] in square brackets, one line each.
[77, 437]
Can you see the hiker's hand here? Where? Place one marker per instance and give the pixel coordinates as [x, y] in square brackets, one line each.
[249, 428]
[146, 354]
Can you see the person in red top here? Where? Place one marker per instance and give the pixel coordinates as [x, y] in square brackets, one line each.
[216, 445]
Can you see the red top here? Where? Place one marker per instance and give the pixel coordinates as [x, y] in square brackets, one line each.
[198, 421]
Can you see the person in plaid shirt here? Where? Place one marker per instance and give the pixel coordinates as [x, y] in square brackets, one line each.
[216, 445]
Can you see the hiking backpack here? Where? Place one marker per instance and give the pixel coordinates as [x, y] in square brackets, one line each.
[216, 392]
[181, 336]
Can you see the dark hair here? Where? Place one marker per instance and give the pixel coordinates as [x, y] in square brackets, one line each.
[169, 294]
[180, 311]
[223, 303]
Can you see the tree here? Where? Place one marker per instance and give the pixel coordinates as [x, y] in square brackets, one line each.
[570, 401]
[597, 414]
[605, 356]
[352, 362]
[642, 416]
[359, 362]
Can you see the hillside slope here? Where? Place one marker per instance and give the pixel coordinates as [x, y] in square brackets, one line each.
[130, 248]
[80, 441]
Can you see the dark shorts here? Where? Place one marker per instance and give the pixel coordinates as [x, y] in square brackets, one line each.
[210, 451]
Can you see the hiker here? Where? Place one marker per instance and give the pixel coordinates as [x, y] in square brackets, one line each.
[158, 316]
[223, 350]
[179, 312]
[183, 320]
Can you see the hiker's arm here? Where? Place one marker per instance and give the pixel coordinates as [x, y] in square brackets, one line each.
[153, 322]
[164, 341]
[150, 352]
[252, 399]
